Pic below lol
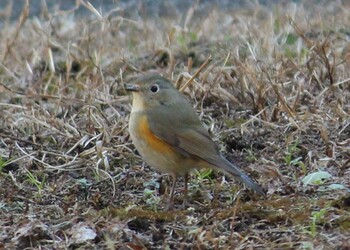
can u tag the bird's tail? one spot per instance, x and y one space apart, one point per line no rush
238 174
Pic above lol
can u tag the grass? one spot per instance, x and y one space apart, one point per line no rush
271 84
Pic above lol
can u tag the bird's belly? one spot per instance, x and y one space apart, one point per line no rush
156 152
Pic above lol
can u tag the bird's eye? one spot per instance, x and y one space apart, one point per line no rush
154 88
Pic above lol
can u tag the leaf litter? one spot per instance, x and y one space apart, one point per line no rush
271 85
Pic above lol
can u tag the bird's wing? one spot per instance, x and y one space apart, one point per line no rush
195 142
185 133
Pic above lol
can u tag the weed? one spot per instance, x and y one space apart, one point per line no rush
3 163
34 180
316 219
250 157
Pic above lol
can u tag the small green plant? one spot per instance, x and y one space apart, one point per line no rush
152 199
2 164
317 218
34 180
250 157
291 151
185 38
150 193
290 154
291 39
205 174
291 160
201 176
302 166
97 174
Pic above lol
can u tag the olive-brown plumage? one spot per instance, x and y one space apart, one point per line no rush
169 136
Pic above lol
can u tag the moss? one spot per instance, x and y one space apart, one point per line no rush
125 213
344 223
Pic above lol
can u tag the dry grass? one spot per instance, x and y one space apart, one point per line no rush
274 91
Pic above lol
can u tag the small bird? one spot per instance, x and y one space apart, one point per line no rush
169 136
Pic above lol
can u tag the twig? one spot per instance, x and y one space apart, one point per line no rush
205 64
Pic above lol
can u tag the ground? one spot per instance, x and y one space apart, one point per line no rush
271 83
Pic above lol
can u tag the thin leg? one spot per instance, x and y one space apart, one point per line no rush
171 200
185 191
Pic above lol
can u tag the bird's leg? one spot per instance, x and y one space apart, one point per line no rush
185 191
171 199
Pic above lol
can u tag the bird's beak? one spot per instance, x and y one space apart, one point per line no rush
131 87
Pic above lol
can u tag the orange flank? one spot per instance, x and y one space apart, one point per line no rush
153 141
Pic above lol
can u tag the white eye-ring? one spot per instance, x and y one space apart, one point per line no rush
154 88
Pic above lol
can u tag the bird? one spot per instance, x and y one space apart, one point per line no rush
170 137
